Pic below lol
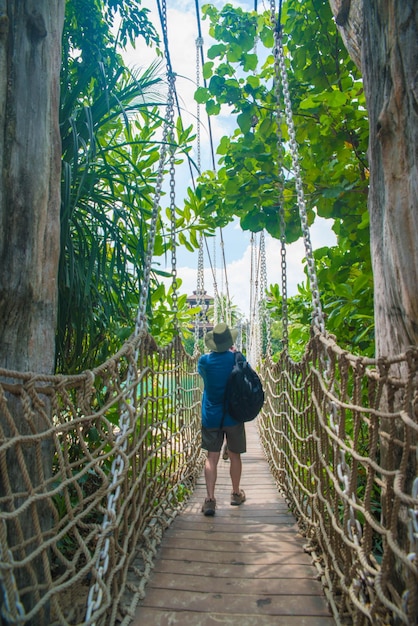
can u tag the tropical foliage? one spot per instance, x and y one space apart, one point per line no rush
256 176
111 123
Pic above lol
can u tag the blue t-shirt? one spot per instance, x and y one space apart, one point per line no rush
215 369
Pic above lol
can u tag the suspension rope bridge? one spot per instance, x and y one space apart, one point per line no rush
95 467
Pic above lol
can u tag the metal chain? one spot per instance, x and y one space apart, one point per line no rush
280 187
254 302
354 528
199 44
199 317
215 286
95 596
318 318
199 297
174 282
263 269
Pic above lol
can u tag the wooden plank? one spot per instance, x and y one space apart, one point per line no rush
246 565
276 586
260 604
245 556
159 617
235 570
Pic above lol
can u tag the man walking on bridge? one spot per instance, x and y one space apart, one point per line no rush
215 369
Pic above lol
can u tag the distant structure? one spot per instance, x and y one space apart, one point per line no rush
202 299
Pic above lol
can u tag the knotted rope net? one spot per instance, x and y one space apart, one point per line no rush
59 437
341 436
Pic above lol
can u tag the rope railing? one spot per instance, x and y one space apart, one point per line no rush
340 435
341 439
51 534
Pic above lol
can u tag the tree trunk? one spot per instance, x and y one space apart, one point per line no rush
385 34
348 16
30 162
390 63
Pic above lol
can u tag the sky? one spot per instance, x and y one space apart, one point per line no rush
182 32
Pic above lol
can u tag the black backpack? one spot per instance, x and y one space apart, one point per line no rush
244 394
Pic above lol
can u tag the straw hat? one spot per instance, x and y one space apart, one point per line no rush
221 338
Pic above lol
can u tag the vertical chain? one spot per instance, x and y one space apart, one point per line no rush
266 316
174 282
199 44
318 318
353 527
215 286
127 416
279 147
200 317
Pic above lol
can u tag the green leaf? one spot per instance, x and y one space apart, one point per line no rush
217 50
212 107
244 121
207 70
201 95
250 62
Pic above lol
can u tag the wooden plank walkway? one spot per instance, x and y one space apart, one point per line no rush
246 565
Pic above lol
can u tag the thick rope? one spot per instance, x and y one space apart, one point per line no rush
358 513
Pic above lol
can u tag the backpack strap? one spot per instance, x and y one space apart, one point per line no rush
239 358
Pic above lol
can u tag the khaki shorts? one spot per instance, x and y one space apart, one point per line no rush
212 439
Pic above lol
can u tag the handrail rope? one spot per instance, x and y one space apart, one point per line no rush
96 592
317 315
354 527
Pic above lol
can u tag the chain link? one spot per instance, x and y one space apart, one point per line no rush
199 44
280 186
318 318
354 528
128 412
200 303
263 269
173 222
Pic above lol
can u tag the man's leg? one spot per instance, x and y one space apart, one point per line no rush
235 470
211 472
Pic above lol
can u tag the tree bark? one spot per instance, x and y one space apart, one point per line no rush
382 38
30 165
390 71
385 36
348 15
